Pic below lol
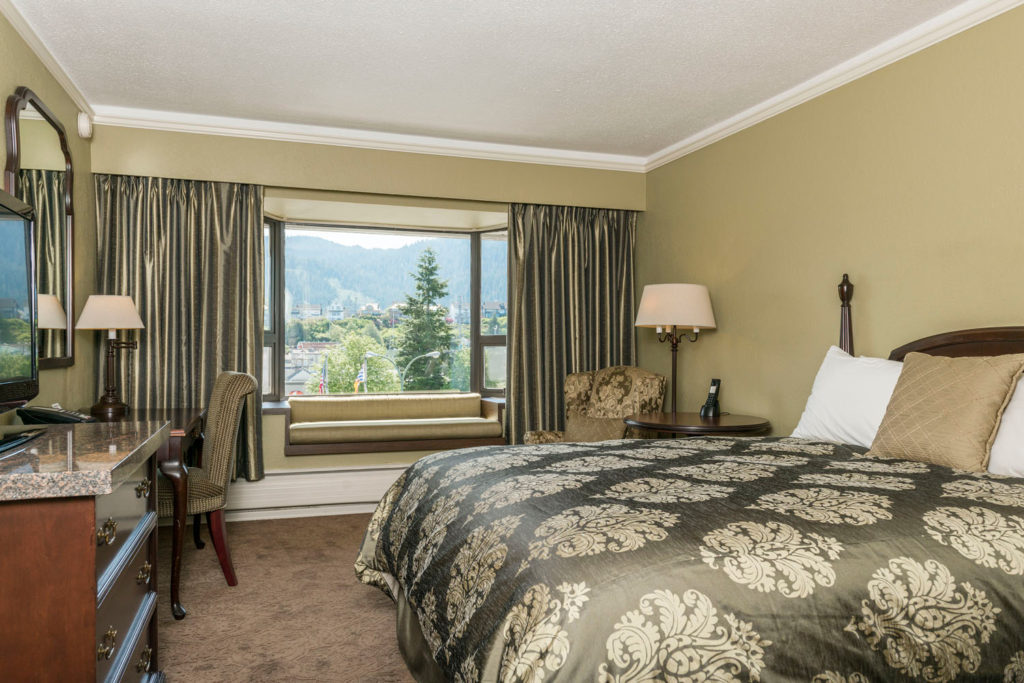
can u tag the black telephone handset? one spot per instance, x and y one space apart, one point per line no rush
710 407
34 415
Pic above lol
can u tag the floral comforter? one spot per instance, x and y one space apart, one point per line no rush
712 559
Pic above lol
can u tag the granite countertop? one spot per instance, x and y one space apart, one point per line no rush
88 459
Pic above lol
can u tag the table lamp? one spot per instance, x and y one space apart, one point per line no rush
51 313
111 313
672 307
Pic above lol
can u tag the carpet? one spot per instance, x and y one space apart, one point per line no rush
297 613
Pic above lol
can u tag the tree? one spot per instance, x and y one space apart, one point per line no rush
424 328
460 369
344 362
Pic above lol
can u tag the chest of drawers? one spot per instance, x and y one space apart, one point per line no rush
78 584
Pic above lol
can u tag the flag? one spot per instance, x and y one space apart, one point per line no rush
323 378
361 377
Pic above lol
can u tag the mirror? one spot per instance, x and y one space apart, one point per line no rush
38 172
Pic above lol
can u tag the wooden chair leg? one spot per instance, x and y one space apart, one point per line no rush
219 534
197 522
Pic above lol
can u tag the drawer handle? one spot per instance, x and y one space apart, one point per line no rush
107 534
142 489
109 644
144 573
145 659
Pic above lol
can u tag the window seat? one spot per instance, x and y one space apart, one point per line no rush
390 422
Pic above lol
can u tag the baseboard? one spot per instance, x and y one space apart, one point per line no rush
311 493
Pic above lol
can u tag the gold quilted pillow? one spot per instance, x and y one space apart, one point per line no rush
946 411
586 428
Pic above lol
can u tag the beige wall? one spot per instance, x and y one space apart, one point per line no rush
75 386
40 145
910 179
135 151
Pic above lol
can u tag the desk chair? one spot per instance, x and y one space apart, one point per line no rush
208 485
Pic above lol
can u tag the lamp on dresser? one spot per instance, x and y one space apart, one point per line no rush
671 309
51 313
111 313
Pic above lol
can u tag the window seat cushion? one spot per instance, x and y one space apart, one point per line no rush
383 407
345 431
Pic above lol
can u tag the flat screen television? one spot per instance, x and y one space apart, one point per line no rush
19 372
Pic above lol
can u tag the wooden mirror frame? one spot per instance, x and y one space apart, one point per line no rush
16 103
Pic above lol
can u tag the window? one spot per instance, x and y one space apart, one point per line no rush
356 309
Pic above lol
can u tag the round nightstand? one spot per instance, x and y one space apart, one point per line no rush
693 424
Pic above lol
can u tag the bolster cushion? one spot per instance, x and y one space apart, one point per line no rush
348 431
383 407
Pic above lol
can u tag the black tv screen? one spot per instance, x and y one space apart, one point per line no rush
19 374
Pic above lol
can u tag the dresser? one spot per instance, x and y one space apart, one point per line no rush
78 543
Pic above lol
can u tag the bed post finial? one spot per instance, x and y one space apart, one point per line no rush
846 319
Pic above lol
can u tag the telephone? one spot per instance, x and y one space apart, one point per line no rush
710 407
35 415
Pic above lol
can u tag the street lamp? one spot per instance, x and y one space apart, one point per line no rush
402 373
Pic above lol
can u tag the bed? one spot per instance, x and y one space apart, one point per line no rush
710 559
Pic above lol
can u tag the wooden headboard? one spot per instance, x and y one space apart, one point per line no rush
982 341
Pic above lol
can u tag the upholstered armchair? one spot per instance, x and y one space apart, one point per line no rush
596 402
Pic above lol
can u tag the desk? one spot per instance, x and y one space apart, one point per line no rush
184 422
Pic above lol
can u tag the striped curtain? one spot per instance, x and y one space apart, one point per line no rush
571 295
44 192
190 254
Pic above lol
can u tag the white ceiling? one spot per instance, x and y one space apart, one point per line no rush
607 83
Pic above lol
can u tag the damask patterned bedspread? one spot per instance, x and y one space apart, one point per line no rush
711 559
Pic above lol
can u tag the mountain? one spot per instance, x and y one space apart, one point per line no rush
322 272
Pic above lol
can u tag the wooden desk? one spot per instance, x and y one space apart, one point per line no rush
184 423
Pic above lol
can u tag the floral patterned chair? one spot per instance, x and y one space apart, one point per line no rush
596 402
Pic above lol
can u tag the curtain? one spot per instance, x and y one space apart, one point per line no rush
44 192
190 254
571 295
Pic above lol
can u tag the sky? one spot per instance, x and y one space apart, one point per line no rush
369 240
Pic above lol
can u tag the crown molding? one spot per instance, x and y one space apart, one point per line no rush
28 34
350 137
937 29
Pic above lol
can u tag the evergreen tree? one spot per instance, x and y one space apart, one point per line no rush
424 328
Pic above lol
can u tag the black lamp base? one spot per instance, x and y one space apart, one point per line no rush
109 409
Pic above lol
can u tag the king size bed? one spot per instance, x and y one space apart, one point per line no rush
711 559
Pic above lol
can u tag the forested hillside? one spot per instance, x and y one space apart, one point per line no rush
322 272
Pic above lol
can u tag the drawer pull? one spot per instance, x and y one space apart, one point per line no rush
107 534
145 659
144 573
109 644
142 489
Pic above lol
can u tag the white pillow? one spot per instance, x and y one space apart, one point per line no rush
1008 449
848 399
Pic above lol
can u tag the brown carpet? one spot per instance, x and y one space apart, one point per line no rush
297 613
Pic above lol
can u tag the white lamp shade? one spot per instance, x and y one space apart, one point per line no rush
51 313
676 305
109 312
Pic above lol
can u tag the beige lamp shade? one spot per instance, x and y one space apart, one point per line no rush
109 312
676 305
51 313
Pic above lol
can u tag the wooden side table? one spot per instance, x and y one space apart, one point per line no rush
692 424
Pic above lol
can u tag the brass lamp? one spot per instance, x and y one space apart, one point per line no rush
672 308
111 313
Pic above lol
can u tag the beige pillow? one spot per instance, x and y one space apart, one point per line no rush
946 411
580 427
